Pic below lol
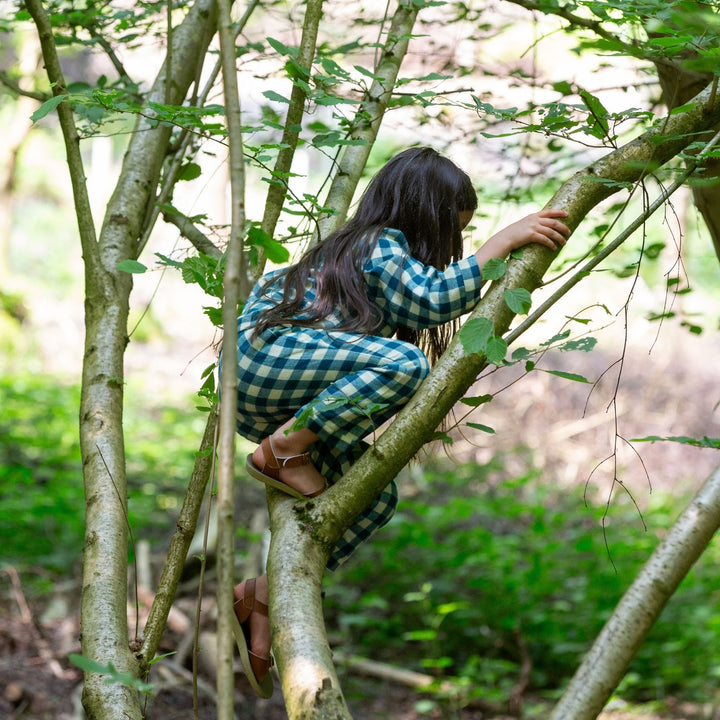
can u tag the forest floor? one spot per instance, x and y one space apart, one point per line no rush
38 682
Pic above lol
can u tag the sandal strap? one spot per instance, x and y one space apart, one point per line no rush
259 664
248 603
273 463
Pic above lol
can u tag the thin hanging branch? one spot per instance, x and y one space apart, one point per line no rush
235 286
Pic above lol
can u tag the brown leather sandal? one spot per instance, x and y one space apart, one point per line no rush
270 472
257 668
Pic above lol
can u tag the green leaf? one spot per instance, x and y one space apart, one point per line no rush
276 97
276 252
474 334
481 427
518 300
189 171
47 107
131 266
583 344
569 376
476 401
521 353
214 314
88 665
281 48
556 338
168 261
496 350
493 269
440 435
563 87
683 108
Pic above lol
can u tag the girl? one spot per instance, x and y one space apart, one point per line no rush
334 345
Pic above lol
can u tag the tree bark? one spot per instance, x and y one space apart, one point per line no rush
234 285
369 117
678 87
107 291
625 631
291 131
304 534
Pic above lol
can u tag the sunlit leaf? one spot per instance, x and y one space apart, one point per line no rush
131 266
475 333
482 428
47 107
496 350
518 300
569 376
493 269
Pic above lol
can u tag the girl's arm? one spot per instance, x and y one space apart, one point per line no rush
542 227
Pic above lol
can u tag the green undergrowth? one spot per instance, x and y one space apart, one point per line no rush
41 482
471 581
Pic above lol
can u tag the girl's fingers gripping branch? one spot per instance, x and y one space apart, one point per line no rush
552 233
542 227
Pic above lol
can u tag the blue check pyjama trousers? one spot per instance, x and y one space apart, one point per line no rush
342 386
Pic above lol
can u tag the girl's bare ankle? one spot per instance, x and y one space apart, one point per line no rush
286 446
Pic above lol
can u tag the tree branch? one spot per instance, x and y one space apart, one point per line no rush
13 85
235 285
627 628
112 56
83 210
291 133
189 230
179 544
368 118
170 176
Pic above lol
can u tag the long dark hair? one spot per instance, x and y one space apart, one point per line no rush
418 192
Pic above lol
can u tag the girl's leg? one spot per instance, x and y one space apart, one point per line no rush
345 385
259 624
380 376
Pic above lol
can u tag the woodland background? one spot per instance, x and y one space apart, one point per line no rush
513 544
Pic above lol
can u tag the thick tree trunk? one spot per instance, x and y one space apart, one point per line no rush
680 86
304 535
624 633
107 291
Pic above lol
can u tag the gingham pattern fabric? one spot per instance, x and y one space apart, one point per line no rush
344 385
333 464
409 293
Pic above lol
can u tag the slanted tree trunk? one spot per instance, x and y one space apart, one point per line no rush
304 534
624 633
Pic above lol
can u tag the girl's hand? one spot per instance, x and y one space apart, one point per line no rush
541 227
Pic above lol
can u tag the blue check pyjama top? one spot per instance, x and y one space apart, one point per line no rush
344 385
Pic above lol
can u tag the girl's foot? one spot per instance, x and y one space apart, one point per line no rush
252 633
284 465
